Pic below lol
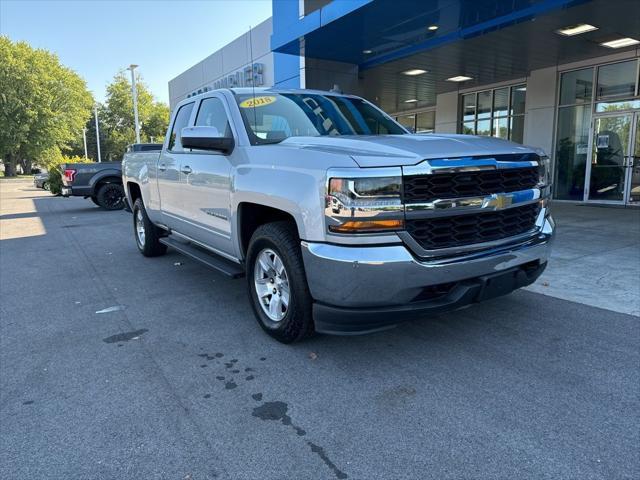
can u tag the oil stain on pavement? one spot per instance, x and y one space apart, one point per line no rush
125 336
276 411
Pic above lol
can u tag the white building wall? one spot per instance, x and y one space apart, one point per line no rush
540 107
231 58
447 112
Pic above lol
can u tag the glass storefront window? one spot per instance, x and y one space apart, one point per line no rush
571 151
576 87
617 106
426 122
501 102
501 128
617 79
484 105
408 121
499 113
484 128
469 107
516 131
518 99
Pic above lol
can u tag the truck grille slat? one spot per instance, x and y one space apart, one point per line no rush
426 188
460 230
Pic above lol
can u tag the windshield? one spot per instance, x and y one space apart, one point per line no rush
272 117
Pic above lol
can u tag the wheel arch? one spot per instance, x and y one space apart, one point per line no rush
252 215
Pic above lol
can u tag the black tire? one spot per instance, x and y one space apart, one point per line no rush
151 247
94 199
46 186
110 196
297 322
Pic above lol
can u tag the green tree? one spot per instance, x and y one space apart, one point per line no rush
117 118
43 105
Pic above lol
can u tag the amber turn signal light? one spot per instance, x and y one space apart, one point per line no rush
358 226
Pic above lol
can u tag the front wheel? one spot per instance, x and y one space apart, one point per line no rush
110 196
46 186
277 283
146 233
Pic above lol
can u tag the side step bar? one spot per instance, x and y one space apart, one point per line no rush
211 260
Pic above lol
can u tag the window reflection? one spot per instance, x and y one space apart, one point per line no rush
571 151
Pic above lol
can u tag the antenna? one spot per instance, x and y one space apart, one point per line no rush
253 83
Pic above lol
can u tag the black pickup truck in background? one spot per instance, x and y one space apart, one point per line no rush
101 182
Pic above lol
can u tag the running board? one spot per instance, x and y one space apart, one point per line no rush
211 260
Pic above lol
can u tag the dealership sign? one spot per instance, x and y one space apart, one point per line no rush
249 76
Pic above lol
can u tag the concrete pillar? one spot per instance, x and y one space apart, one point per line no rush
541 109
447 112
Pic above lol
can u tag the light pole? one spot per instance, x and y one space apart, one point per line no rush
134 93
84 137
95 111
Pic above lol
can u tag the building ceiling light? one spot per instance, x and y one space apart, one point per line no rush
414 71
367 52
432 28
620 42
413 100
576 29
459 78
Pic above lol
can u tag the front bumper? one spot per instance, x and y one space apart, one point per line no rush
362 289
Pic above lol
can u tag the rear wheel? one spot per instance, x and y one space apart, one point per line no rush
94 199
277 283
110 196
146 233
46 186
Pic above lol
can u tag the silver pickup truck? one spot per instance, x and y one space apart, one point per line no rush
341 220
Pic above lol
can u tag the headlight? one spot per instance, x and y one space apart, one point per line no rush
364 205
544 171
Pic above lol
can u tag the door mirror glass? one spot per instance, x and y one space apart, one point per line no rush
206 138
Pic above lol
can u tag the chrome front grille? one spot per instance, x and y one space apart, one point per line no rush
460 230
425 188
465 204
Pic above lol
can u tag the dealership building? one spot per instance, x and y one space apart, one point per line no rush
558 74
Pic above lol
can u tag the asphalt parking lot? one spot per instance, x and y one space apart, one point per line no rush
175 380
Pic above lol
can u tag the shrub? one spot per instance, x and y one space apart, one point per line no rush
55 171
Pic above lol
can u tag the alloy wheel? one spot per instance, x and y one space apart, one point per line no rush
272 285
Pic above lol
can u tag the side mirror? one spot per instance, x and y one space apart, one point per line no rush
206 138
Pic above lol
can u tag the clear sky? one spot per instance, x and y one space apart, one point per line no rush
96 38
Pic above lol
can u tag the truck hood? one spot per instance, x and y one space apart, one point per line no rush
404 150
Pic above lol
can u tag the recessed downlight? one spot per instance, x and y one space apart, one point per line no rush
367 52
620 42
432 28
459 78
414 72
413 100
576 29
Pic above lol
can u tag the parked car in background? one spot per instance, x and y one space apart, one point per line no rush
101 182
342 221
41 180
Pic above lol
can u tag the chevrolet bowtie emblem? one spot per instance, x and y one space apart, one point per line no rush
502 201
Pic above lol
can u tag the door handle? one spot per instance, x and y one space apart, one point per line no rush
186 170
162 167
